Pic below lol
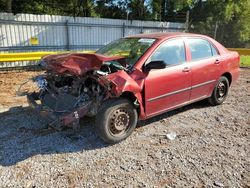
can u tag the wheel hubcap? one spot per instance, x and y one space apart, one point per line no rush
119 121
221 90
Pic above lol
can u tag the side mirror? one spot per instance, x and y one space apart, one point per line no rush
155 65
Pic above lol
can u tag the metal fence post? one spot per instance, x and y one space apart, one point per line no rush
123 29
67 35
141 29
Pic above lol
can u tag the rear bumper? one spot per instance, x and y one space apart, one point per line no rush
235 75
57 120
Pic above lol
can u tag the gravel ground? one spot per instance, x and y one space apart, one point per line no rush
211 148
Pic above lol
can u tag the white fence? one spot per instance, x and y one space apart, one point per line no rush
28 32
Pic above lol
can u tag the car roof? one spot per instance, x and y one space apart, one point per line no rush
164 35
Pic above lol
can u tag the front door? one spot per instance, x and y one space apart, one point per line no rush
168 88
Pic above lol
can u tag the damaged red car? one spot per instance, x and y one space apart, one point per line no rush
133 78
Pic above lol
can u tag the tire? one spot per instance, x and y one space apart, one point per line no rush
220 92
115 120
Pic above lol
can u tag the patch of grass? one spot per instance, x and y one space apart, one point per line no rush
245 60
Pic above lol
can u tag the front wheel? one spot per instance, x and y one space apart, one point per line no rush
116 120
220 92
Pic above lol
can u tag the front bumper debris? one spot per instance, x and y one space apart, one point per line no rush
55 119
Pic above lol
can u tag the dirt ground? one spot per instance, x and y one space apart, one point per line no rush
211 149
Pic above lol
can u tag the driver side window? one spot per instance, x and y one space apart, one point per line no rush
172 52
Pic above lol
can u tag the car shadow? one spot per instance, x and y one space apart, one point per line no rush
23 135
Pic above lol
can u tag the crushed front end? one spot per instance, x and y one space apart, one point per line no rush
64 94
63 98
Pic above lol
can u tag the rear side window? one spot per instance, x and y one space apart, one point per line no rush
201 49
171 52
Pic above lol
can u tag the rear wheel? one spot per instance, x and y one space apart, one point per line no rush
116 120
220 92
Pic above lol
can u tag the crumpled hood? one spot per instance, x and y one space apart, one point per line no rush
77 63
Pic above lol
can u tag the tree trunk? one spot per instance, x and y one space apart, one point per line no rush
8 5
163 10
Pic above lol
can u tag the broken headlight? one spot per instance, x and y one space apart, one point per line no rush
42 63
41 82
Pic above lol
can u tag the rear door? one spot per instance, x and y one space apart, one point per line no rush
168 88
205 67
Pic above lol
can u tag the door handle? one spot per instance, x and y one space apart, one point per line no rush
186 69
217 61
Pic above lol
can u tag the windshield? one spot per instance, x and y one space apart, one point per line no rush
131 48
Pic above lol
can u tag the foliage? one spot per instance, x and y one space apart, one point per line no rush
57 7
232 18
245 60
138 10
111 9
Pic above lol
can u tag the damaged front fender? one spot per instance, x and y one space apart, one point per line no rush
132 83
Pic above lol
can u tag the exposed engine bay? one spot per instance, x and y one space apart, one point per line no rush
62 93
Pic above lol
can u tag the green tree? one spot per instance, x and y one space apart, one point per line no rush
57 7
6 5
111 9
232 18
139 10
169 10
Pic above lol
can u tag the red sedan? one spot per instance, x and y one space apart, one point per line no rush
133 78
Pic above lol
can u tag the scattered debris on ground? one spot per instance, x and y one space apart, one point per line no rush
171 135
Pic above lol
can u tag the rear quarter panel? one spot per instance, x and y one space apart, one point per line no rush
231 64
230 60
